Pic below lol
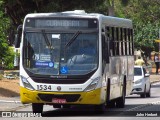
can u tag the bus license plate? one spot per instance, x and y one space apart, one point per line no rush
56 100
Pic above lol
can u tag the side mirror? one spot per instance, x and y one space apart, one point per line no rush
17 41
146 75
18 36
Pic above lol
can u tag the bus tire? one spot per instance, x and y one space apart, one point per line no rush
109 103
37 107
108 90
120 102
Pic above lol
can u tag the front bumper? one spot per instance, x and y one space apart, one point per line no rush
91 97
138 89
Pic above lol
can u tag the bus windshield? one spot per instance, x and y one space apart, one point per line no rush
60 53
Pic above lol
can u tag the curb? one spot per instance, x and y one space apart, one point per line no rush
10 101
155 82
19 107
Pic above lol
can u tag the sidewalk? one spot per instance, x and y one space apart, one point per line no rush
11 104
154 71
153 76
10 99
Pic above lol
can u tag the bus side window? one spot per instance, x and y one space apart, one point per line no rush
106 44
105 49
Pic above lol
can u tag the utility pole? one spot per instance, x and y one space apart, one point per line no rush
159 39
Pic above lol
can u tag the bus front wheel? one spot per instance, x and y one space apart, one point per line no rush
37 107
120 102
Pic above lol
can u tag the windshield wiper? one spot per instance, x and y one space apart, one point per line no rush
73 38
46 39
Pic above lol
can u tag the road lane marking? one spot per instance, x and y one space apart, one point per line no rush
9 101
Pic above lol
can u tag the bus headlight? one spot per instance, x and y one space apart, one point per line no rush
93 84
26 83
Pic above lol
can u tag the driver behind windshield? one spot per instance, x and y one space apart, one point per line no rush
85 54
87 48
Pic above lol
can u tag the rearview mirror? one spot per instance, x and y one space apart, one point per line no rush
18 36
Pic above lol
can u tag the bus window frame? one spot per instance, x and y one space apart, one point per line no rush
120 40
18 36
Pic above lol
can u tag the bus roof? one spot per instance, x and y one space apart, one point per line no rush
107 20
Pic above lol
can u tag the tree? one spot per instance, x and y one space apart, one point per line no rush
145 15
9 58
110 5
17 9
145 36
4 48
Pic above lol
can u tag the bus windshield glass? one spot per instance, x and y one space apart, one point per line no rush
53 53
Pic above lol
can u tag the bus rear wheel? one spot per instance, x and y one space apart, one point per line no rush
37 107
120 102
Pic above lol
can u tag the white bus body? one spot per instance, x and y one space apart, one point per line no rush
54 72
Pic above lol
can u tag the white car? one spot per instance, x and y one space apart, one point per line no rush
141 84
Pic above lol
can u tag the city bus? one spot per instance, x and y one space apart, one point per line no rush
58 68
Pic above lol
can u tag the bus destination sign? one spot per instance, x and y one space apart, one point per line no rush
61 23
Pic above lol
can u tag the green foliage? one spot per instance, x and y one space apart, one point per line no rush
68 5
145 35
5 53
9 59
145 15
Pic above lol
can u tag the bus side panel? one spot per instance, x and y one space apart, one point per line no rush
130 76
121 68
115 77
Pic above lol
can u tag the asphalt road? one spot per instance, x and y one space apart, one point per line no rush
135 106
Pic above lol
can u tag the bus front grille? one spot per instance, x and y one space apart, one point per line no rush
68 97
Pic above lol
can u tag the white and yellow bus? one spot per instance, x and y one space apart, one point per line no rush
75 58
